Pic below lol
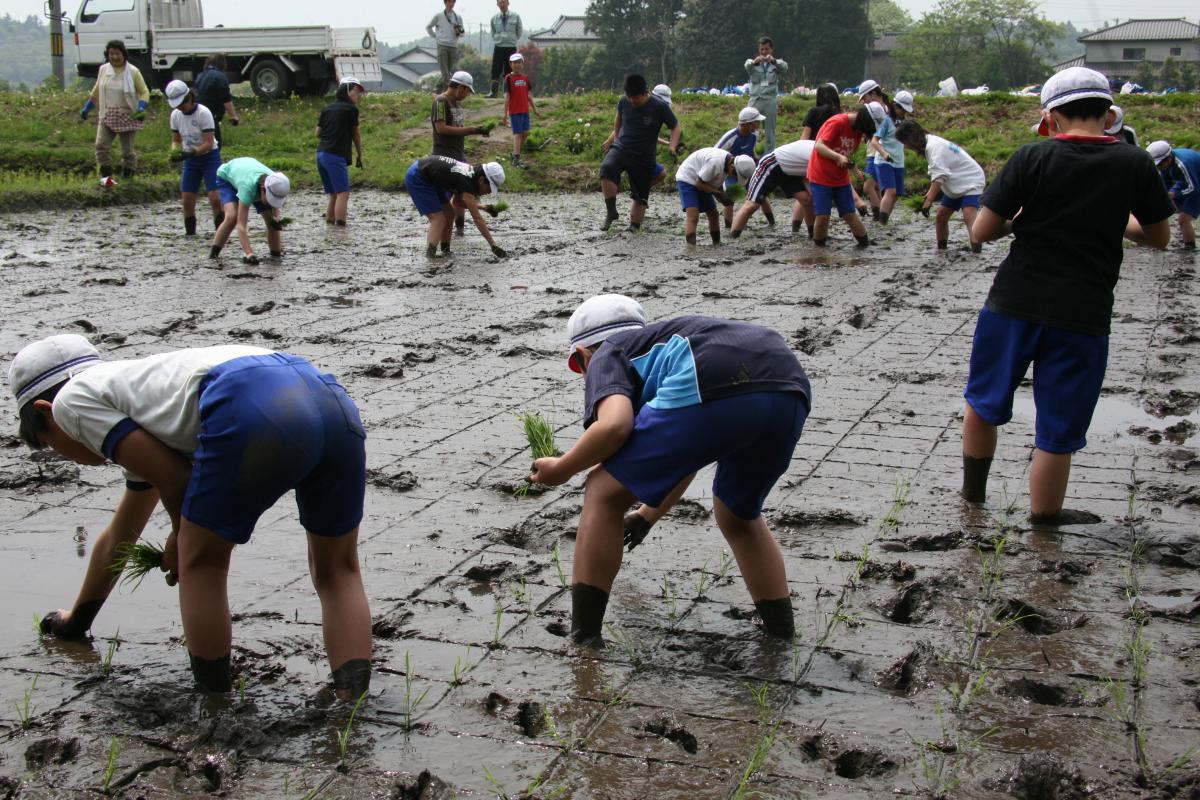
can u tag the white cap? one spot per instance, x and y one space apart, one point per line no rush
277 186
867 86
516 57
904 99
1159 151
48 362
463 78
175 92
662 92
744 167
1074 83
495 175
1118 121
599 317
350 80
878 112
750 114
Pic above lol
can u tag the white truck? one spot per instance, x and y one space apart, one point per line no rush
166 39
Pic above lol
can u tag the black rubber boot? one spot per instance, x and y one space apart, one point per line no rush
728 224
776 616
445 248
105 172
189 226
715 233
341 223
810 231
735 233
218 219
884 216
795 226
431 251
875 213
588 605
942 244
770 217
212 676
976 247
635 226
863 241
820 242
276 254
1190 245
610 205
214 252
975 477
690 238
353 678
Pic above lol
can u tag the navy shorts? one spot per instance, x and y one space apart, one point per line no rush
334 171
1068 371
956 203
889 177
428 198
270 424
750 437
691 197
870 170
1188 204
616 161
199 168
519 122
824 198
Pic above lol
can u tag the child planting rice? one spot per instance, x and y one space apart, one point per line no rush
541 441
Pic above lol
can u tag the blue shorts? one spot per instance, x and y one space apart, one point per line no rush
691 197
334 171
956 203
750 436
428 199
200 167
889 177
824 198
870 170
1068 371
228 193
270 424
1189 204
519 122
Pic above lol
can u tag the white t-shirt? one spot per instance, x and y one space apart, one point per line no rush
160 393
959 173
793 157
192 127
706 165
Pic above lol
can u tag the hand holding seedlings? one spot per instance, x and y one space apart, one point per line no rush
135 560
541 443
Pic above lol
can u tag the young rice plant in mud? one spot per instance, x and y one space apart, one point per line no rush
564 743
113 645
624 639
499 622
942 762
25 707
671 598
110 766
540 435
764 744
461 667
344 734
533 791
136 560
410 702
556 560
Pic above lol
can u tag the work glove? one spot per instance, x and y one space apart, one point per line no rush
499 252
250 259
140 114
87 109
636 529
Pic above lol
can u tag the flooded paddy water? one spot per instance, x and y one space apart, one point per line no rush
1060 664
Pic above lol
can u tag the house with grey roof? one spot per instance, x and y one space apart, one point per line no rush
405 72
565 32
1119 50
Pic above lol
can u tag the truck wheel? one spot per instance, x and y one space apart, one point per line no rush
270 79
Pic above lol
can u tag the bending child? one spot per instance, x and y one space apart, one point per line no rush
953 174
829 170
217 435
243 184
742 141
701 183
441 188
1180 170
783 168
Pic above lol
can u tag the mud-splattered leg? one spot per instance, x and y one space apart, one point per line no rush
345 614
204 603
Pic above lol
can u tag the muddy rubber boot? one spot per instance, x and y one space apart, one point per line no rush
863 241
106 171
588 605
1189 245
460 227
1066 516
795 226
634 227
820 242
212 675
776 616
884 216
636 528
715 235
341 223
875 213
431 251
610 204
976 247
189 226
218 219
975 477
735 233
770 218
214 252
352 679
728 224
276 254
690 238
942 244
810 231
445 248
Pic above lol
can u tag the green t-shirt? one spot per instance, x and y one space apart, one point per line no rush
244 173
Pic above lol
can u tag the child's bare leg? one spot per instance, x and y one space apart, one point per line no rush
204 604
1048 477
189 204
1187 230
341 204
941 226
761 565
871 188
214 200
331 208
888 202
820 228
692 216
598 548
345 615
742 217
637 213
714 226
225 228
969 214
857 226
979 447
519 142
436 221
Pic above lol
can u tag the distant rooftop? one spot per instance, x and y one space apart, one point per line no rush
565 28
1144 30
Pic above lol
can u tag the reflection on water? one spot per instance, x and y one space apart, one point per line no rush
1115 416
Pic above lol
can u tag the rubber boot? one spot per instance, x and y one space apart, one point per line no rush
690 238
352 679
610 204
218 219
942 244
795 226
770 217
776 616
588 605
976 247
975 477
863 241
820 242
715 233
189 226
875 213
212 675
884 216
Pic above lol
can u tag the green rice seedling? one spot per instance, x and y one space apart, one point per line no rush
110 767
523 594
242 689
540 435
499 621
37 624
758 757
891 520
500 206
633 650
25 707
702 581
113 645
724 566
344 734
736 193
410 702
557 562
671 598
135 560
461 667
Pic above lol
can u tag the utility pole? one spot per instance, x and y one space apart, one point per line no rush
56 43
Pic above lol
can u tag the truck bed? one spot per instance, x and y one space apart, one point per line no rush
316 39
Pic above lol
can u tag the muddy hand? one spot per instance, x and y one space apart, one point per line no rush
636 528
925 211
170 559
60 625
546 471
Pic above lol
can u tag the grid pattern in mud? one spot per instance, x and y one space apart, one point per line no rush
941 647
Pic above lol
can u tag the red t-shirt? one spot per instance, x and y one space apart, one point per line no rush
839 135
517 87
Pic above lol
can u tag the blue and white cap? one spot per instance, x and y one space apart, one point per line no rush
1069 85
599 317
47 362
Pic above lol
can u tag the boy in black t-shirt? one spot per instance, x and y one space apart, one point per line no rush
1067 201
662 401
440 187
337 129
631 147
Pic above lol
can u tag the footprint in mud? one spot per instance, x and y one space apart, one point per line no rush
541 531
666 725
389 369
38 475
480 338
529 715
392 625
1043 776
1067 571
527 326
1044 694
810 340
898 571
912 604
910 674
399 481
425 786
261 308
526 350
52 750
861 763
1175 495
1037 621
815 518
488 572
690 509
925 542
862 317
1172 403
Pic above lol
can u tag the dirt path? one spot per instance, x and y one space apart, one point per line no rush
1064 664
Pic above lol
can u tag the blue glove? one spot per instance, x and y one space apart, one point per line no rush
87 108
141 105
141 112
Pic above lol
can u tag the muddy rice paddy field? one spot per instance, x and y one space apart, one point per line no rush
943 649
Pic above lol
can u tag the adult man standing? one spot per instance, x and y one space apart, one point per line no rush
448 117
764 71
212 92
506 32
447 28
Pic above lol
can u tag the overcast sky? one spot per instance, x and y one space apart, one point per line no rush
405 20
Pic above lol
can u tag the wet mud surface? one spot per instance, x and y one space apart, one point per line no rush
1062 664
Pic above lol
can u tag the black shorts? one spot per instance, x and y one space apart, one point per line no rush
640 174
769 176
